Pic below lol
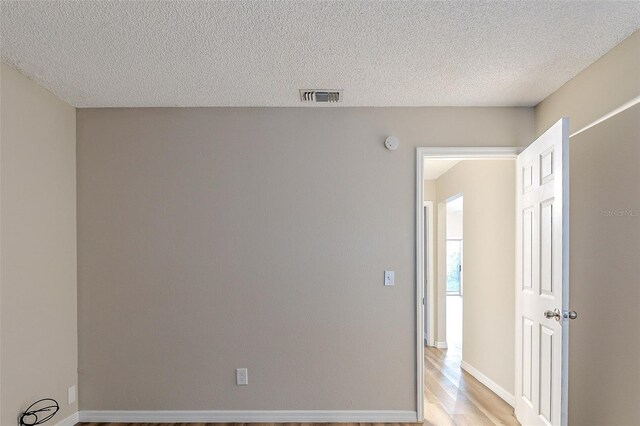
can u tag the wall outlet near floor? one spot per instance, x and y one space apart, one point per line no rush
242 376
71 395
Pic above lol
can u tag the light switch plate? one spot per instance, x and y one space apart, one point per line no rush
242 376
389 278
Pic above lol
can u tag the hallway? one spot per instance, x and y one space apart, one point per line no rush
454 397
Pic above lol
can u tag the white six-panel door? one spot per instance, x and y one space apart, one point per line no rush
542 278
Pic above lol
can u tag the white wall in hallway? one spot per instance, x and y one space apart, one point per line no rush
488 224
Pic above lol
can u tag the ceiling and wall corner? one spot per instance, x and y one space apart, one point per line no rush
434 167
605 85
604 175
260 53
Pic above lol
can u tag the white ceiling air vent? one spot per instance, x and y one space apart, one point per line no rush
320 96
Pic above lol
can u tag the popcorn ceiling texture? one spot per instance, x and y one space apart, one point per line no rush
259 53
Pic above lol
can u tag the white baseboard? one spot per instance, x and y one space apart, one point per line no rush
250 416
440 345
497 389
428 342
70 421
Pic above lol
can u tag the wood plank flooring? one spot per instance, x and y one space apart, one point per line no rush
452 397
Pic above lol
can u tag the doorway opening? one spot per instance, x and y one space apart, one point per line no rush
451 184
521 204
454 274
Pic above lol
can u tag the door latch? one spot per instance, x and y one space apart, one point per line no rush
557 315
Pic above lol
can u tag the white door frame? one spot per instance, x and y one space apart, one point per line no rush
430 332
441 153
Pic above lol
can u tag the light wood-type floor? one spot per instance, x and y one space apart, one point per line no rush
452 397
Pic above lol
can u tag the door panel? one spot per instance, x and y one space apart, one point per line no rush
542 275
527 359
546 248
546 372
527 249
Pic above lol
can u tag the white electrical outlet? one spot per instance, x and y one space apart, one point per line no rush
242 376
71 395
389 278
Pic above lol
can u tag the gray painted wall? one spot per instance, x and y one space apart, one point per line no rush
211 239
604 367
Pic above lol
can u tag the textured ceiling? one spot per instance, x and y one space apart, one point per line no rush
259 53
436 167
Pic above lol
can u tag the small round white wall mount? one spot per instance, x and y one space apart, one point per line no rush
392 143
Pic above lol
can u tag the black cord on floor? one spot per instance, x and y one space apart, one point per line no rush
31 416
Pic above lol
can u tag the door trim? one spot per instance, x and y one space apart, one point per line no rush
442 153
428 296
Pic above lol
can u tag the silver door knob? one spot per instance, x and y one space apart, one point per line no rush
557 315
553 314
